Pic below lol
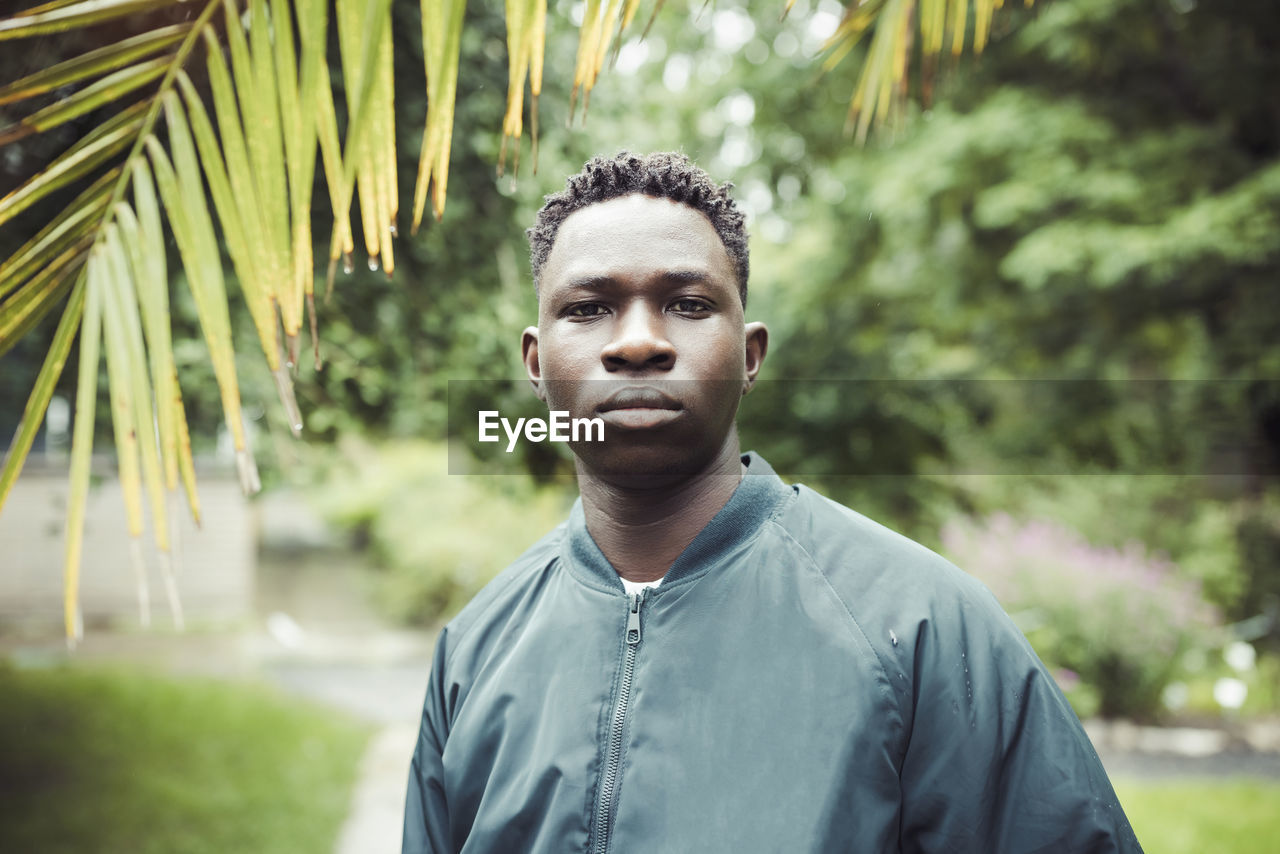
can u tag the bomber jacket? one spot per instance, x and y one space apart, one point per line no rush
803 680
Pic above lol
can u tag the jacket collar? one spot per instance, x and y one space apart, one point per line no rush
751 505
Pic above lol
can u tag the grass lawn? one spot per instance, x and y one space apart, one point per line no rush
1201 816
115 761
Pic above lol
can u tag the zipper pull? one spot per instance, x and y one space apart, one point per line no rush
633 618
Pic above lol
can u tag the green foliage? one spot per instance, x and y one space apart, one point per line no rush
439 536
1195 816
1118 618
114 761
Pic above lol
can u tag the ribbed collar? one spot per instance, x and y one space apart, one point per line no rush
751 504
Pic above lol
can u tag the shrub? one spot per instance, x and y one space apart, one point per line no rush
440 536
1119 618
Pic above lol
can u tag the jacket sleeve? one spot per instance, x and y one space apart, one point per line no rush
996 760
426 815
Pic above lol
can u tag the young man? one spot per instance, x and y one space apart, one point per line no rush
703 658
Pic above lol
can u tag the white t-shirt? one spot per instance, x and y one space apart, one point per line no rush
637 586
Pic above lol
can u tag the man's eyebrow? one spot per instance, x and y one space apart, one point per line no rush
602 283
686 276
590 283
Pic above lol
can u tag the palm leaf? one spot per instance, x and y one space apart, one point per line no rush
92 64
74 222
441 43
90 153
257 167
41 394
57 18
88 99
25 308
882 82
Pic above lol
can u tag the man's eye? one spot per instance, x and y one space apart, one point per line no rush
689 305
585 309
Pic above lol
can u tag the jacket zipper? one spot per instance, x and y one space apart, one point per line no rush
613 760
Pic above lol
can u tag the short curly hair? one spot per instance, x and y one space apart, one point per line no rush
664 174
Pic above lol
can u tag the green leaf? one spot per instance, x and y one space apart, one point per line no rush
153 299
299 149
258 109
103 143
266 152
74 222
50 6
234 227
153 284
363 93
313 20
123 420
342 242
257 285
81 451
524 43
75 16
441 41
88 99
41 394
32 302
359 96
92 63
140 385
183 196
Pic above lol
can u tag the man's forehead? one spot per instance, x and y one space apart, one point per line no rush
636 234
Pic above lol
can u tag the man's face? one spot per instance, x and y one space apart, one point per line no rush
640 323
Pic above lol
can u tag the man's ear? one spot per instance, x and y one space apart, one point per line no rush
529 355
757 345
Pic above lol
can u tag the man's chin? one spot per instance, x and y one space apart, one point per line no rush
643 466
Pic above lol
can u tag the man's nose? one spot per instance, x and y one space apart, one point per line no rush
639 342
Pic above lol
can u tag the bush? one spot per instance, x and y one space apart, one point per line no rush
1118 618
440 537
1190 519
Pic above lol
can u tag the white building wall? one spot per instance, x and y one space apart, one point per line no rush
213 565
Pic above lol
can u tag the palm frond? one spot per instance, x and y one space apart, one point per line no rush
108 247
93 63
441 43
882 82
60 17
526 40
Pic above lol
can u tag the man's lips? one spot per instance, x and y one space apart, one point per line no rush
639 409
639 398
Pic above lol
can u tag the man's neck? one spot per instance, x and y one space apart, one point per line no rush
642 531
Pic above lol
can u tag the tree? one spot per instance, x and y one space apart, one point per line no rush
267 72
1064 267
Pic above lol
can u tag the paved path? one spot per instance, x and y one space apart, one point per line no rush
377 804
387 693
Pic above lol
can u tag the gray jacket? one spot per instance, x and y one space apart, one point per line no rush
803 680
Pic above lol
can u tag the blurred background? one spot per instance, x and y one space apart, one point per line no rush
1031 323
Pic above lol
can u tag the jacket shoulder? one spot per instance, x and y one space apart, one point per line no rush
853 549
890 584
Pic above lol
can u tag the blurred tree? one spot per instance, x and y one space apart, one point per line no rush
1095 211
103 257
